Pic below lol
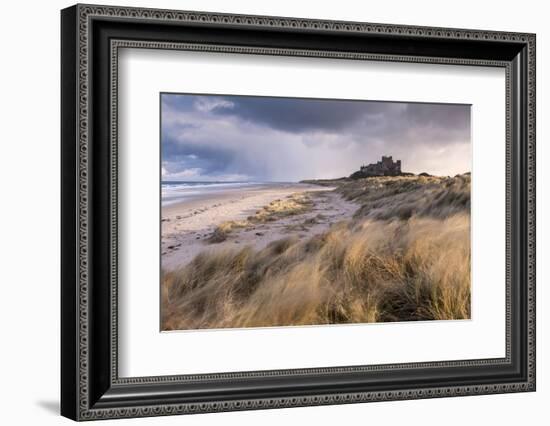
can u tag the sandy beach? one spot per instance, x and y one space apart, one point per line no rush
187 225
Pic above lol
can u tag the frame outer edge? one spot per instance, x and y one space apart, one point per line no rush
69 193
83 229
531 200
83 12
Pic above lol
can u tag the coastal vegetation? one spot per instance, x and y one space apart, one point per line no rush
294 204
403 255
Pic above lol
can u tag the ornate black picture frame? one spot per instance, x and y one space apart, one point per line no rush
91 387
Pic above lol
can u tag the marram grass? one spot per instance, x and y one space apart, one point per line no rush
404 256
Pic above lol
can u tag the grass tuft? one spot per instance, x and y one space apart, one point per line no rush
292 205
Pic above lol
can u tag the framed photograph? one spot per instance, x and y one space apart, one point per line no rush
263 212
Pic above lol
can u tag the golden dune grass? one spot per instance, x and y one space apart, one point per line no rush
407 261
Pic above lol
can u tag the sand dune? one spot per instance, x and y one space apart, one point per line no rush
385 249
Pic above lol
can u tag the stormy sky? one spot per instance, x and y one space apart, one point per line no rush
245 138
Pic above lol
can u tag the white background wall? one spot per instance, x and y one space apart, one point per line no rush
29 212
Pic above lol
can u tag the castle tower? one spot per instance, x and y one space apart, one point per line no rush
387 161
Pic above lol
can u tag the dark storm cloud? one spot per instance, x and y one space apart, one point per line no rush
265 138
295 115
210 159
448 116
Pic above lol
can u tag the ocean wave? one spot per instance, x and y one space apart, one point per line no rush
173 192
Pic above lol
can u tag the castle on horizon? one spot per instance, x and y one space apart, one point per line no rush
386 167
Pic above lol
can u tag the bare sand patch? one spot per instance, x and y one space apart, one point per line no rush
189 227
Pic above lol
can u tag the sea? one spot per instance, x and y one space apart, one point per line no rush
174 192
